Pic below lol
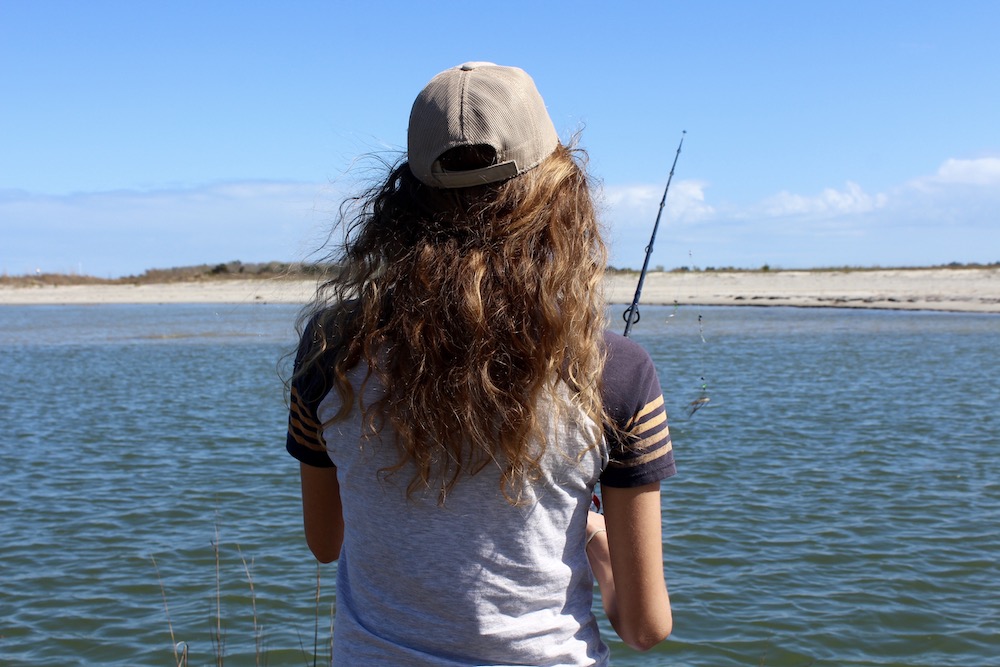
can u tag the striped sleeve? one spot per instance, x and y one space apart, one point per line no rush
304 440
641 451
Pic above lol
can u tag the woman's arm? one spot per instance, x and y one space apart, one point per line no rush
600 562
322 512
627 562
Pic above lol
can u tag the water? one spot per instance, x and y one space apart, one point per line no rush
837 502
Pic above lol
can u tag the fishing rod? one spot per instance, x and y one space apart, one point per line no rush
631 314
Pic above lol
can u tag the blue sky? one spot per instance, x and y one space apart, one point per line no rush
136 135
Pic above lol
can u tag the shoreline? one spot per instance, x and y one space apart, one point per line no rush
943 289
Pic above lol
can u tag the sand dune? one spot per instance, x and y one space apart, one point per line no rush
959 289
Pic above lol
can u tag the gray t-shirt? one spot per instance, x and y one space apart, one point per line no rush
477 580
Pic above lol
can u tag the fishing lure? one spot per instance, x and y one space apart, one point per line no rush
698 403
703 397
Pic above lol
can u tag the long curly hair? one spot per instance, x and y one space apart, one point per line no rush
480 310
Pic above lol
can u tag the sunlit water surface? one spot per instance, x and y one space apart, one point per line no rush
837 503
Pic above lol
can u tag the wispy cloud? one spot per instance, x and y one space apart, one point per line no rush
950 215
830 202
125 232
637 205
981 171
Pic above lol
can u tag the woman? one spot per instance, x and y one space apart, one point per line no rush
456 399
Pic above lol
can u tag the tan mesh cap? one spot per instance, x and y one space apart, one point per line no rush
479 104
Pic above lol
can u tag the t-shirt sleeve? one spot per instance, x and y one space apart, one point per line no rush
305 433
641 451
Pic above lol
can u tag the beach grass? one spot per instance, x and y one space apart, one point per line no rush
183 651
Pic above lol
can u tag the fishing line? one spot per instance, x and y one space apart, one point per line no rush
631 314
703 398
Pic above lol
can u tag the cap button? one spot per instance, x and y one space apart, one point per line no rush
469 66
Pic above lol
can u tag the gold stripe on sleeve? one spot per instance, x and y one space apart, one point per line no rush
650 407
650 456
307 442
300 412
304 429
656 421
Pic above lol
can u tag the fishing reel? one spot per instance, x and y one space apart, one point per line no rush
631 315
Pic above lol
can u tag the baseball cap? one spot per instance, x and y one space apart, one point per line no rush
493 109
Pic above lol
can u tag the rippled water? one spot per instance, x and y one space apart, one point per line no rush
837 502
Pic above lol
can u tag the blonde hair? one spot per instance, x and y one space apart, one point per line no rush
472 306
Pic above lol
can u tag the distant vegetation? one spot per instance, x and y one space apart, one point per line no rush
237 270
764 268
234 270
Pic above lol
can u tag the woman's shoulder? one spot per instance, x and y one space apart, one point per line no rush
630 380
327 324
624 355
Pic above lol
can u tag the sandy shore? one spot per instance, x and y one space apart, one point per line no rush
967 290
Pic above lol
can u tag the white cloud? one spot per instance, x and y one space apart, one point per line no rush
127 232
950 215
637 205
830 202
961 197
981 171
